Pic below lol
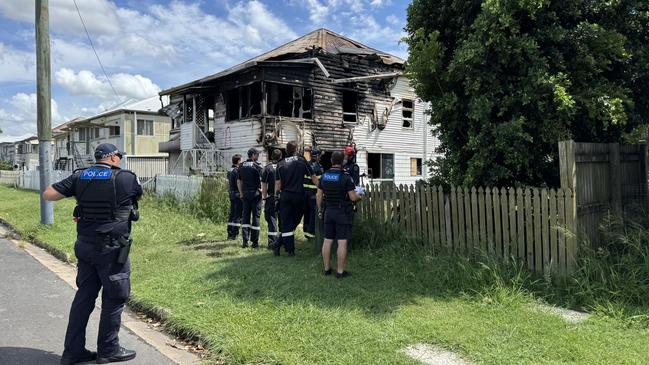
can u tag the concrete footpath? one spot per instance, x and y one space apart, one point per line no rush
34 306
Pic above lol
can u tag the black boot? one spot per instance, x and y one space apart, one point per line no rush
121 354
85 357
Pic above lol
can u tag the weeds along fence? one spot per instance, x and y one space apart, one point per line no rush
535 226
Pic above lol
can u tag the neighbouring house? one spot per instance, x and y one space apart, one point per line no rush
135 127
8 152
322 90
26 154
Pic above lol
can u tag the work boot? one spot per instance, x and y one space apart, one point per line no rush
86 356
121 354
244 245
255 245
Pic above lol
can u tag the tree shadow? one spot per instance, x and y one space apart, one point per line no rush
212 248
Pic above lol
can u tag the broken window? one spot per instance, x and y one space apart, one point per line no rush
244 102
350 100
406 112
380 165
289 101
232 108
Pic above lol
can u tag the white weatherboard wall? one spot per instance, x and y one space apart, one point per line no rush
404 143
238 137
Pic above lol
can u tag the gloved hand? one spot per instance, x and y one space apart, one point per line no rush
360 190
320 215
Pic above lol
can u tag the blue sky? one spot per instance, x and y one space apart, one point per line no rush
148 45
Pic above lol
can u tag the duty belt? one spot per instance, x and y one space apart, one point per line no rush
96 239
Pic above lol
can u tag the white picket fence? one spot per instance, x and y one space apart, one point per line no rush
29 180
182 187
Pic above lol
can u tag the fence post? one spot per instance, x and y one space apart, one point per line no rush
567 165
643 173
615 178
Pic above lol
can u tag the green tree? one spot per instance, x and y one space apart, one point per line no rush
507 79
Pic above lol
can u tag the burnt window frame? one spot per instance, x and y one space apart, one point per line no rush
348 114
410 119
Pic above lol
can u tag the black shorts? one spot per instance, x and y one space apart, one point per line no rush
338 224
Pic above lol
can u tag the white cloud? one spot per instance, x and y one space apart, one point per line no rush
16 65
19 121
100 16
86 83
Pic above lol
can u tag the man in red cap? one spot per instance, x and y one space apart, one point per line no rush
350 166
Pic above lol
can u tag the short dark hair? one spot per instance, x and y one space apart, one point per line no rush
291 147
276 155
236 158
337 158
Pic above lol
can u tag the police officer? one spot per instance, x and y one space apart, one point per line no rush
350 166
249 184
268 195
106 205
289 182
234 221
336 193
310 190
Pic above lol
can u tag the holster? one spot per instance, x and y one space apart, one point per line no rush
124 248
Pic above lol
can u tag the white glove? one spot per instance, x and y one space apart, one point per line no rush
360 190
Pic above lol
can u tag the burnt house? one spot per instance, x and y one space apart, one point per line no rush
322 90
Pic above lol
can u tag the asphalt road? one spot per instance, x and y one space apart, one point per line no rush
34 306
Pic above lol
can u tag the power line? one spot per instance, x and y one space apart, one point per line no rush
95 51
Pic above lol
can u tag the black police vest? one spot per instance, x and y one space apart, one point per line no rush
97 196
317 169
232 179
332 184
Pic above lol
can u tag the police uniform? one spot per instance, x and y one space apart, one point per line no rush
234 221
270 213
336 185
106 201
352 169
250 176
291 171
311 208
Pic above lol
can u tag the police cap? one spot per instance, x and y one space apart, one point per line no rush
106 150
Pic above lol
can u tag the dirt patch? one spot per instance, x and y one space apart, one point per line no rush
434 355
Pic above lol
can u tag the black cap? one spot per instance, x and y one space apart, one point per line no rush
315 151
252 151
106 150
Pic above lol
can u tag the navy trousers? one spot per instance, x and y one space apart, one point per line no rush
251 207
310 210
270 215
97 268
234 221
290 213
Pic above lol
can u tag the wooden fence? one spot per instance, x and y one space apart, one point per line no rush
535 226
607 178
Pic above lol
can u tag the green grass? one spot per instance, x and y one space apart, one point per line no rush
251 307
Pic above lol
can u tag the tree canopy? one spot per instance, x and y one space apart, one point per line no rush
508 79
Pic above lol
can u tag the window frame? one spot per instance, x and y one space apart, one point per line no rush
381 166
112 127
418 167
144 128
411 109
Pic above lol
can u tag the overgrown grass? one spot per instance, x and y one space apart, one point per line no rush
251 307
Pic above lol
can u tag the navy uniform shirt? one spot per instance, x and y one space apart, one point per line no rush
346 185
353 170
291 172
128 190
250 175
268 177
232 178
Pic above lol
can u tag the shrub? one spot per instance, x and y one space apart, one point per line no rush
6 165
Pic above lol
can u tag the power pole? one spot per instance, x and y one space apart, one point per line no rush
43 100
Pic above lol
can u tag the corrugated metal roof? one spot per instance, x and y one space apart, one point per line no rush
323 39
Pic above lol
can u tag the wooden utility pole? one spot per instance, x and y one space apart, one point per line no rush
43 100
